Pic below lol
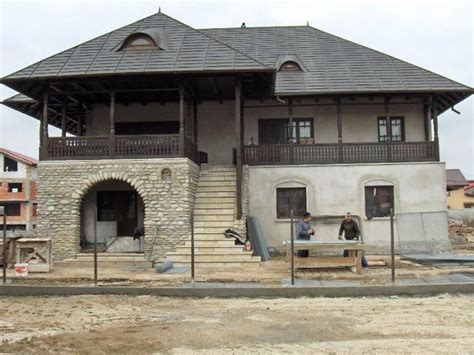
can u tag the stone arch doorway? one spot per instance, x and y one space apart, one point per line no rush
116 211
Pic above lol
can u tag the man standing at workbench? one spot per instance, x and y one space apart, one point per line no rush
351 231
305 231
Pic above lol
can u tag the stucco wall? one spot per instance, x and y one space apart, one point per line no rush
216 121
63 185
334 189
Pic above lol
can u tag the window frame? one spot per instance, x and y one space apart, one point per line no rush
392 118
15 185
285 67
8 207
296 121
8 161
128 43
377 209
283 216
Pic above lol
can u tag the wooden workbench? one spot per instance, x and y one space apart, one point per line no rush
354 259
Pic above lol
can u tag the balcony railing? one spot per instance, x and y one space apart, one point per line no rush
294 154
118 147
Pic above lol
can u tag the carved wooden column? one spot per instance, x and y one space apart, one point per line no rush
388 126
238 145
112 125
181 122
44 126
290 129
434 116
79 119
195 123
63 119
339 129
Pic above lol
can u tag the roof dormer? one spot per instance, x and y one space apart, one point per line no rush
289 63
149 38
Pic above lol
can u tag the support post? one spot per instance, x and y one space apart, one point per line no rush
79 119
292 257
95 245
426 115
392 244
112 125
195 123
339 130
181 121
290 129
388 123
434 115
192 248
238 145
4 260
44 150
63 119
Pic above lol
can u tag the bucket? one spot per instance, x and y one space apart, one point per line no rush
21 269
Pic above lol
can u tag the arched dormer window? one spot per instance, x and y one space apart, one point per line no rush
290 66
149 38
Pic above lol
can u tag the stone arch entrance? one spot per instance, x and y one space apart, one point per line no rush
115 211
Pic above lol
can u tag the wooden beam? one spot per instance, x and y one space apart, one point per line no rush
44 141
79 119
339 129
238 145
434 116
63 119
112 125
290 120
217 90
388 123
181 121
195 123
426 117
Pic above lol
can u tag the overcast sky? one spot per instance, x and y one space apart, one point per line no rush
436 35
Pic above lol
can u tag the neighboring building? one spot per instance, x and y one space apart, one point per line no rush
468 201
285 118
455 183
18 191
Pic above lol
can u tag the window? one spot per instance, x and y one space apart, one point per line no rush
290 66
15 187
468 204
276 131
105 206
9 164
35 209
291 198
13 209
139 41
378 201
398 129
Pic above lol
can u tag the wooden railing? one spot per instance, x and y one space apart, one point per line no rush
294 154
118 147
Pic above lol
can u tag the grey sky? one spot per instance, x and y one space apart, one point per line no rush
436 35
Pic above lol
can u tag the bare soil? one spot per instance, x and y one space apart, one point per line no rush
146 324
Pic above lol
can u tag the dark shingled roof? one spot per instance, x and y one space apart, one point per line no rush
188 50
455 178
332 65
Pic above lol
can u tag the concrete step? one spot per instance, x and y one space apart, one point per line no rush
106 259
219 266
198 243
216 188
206 200
181 257
211 250
209 230
205 224
206 183
214 210
208 178
209 236
214 194
213 217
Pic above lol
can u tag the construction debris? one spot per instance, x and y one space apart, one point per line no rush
461 235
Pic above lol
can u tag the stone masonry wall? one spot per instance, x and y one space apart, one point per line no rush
168 202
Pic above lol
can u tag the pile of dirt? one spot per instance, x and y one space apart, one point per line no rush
461 235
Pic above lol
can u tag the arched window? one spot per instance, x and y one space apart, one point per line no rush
290 66
139 41
166 174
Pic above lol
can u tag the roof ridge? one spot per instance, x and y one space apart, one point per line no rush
392 57
24 158
218 41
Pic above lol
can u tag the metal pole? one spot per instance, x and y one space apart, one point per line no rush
292 249
192 247
392 242
4 262
95 246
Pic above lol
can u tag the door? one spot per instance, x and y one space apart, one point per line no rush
126 212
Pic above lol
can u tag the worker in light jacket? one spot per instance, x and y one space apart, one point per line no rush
351 231
305 231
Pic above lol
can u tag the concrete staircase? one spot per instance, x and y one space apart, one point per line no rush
214 211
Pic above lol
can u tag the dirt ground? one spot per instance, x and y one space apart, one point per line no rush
145 324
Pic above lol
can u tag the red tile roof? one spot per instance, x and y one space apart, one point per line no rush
23 158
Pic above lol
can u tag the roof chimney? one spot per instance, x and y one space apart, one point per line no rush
243 25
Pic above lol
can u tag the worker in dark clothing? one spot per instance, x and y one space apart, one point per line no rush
305 231
351 231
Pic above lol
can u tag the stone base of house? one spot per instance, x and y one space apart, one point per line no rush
167 198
